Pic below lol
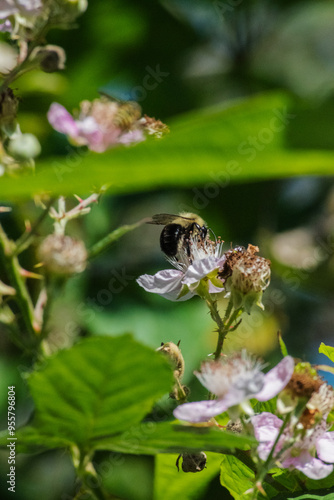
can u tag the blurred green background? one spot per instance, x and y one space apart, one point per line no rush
210 54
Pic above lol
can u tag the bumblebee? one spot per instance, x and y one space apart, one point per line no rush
128 112
178 229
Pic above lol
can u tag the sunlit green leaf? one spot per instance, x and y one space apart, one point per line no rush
247 140
100 387
150 438
238 479
171 483
327 350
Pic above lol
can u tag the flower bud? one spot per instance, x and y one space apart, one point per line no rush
63 255
24 147
192 462
8 108
51 58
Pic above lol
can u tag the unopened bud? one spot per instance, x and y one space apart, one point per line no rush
192 462
8 108
51 58
63 255
24 147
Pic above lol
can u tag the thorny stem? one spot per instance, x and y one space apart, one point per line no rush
22 296
224 325
24 241
91 482
103 244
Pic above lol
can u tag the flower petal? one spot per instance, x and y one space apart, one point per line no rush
200 268
266 428
133 136
62 121
276 379
325 447
200 411
166 283
308 465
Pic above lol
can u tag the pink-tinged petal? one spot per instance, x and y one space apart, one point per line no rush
62 121
276 379
7 9
166 283
233 397
325 447
200 411
90 133
266 428
199 269
30 7
6 27
308 465
132 137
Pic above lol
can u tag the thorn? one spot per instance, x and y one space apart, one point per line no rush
29 274
27 225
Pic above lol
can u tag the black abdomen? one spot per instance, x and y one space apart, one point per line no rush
170 237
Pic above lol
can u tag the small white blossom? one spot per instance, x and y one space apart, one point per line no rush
182 283
234 381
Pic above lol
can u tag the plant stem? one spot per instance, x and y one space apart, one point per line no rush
223 325
268 463
103 244
22 297
24 241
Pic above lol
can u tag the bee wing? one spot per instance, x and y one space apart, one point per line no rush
162 219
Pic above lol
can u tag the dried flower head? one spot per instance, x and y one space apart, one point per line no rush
247 276
307 388
62 255
154 127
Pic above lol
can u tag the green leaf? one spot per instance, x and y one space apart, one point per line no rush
150 438
238 478
100 387
171 483
307 496
282 345
327 351
286 478
215 145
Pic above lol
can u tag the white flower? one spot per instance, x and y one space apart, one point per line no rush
234 381
23 7
301 454
182 283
